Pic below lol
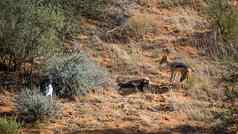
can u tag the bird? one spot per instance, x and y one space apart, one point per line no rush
50 90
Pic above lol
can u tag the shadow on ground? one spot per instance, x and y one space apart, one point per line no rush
184 129
152 88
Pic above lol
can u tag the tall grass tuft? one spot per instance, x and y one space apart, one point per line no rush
9 126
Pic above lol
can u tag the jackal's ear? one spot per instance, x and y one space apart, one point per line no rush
165 51
163 59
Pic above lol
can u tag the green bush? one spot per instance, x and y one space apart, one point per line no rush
43 21
9 126
74 75
29 28
74 10
230 80
92 9
231 92
228 121
175 3
33 28
225 17
33 106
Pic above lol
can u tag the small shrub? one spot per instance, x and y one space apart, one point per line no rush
175 3
230 80
196 110
74 75
228 121
118 35
9 126
200 114
138 26
92 9
117 11
135 28
231 92
146 3
34 107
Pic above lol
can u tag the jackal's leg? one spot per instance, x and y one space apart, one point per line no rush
176 76
171 77
184 75
173 73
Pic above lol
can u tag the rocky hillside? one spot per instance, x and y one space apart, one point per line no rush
128 43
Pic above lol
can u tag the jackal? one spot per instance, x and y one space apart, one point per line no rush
175 67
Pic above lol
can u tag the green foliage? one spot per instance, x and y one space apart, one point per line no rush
32 28
74 10
231 92
225 16
74 74
228 121
9 126
175 3
28 28
33 106
92 9
230 80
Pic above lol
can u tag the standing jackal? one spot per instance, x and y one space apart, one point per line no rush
175 67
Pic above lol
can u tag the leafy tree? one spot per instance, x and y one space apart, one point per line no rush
224 17
38 28
31 28
28 29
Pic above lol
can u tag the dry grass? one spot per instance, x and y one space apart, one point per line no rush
126 59
139 25
201 87
185 22
194 110
176 3
197 111
135 28
202 83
